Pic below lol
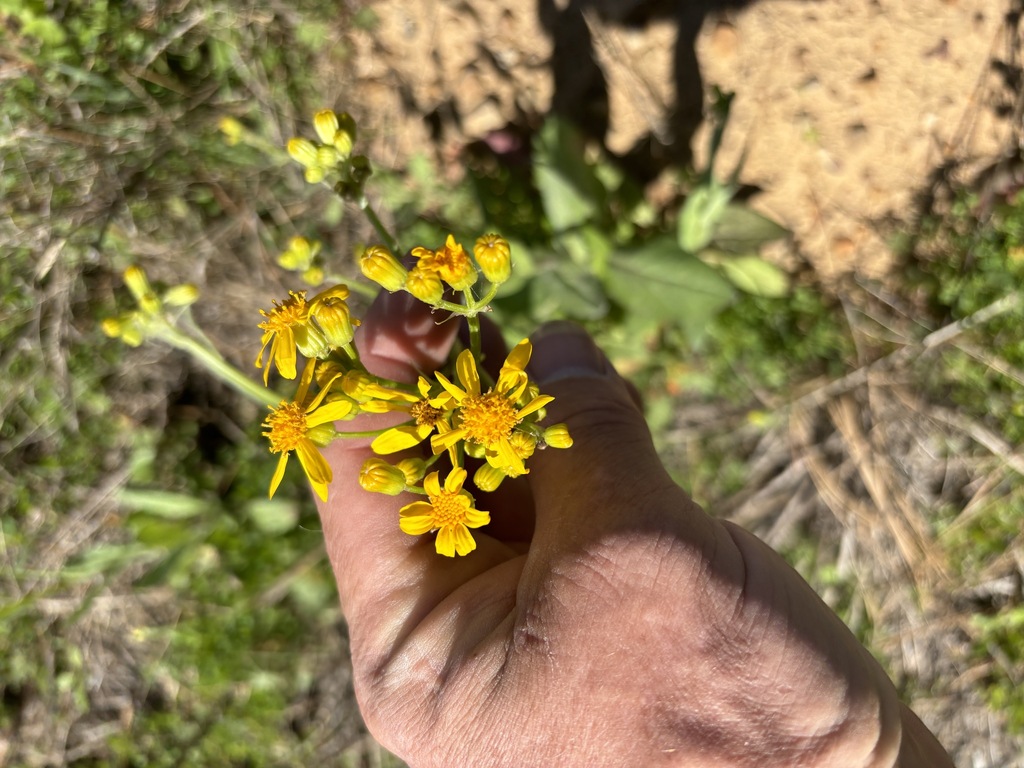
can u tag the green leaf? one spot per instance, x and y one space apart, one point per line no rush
660 281
569 188
700 215
107 559
741 230
166 504
565 291
273 515
756 276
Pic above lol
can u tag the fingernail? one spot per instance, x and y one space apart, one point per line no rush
563 350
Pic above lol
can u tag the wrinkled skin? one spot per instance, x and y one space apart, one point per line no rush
605 619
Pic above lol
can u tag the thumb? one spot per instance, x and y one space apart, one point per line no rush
611 479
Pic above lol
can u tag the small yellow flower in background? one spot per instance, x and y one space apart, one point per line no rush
183 295
377 476
449 511
493 254
137 282
451 263
337 131
232 130
286 327
300 254
378 264
304 152
295 426
127 328
425 285
489 418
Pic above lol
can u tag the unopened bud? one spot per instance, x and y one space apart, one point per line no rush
378 264
557 436
377 476
493 254
424 285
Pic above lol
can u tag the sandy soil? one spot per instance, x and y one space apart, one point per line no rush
844 111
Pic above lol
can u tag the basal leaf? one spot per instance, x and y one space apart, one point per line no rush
568 186
662 282
741 230
756 276
700 215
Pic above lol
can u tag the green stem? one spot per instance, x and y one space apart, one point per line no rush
218 366
365 433
371 216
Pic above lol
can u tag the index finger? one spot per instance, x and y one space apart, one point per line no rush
389 581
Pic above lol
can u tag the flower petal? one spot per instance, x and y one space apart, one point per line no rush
325 414
416 525
316 467
534 405
275 481
465 366
453 483
397 439
445 542
477 517
442 441
464 542
454 391
432 485
519 356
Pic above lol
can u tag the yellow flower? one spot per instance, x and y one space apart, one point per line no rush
494 256
232 130
451 263
450 512
378 264
293 426
427 414
489 476
287 327
305 153
489 418
300 254
337 131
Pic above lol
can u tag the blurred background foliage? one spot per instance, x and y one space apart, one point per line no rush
157 609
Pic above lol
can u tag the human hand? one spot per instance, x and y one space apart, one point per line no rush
604 618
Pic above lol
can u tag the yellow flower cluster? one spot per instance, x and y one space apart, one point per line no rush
135 326
450 418
336 134
448 265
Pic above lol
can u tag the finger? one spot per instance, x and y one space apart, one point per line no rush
611 478
386 578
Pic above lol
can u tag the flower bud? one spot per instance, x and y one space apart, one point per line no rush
488 478
182 295
378 264
493 254
557 436
424 285
377 476
325 122
310 341
232 130
333 319
303 152
413 469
